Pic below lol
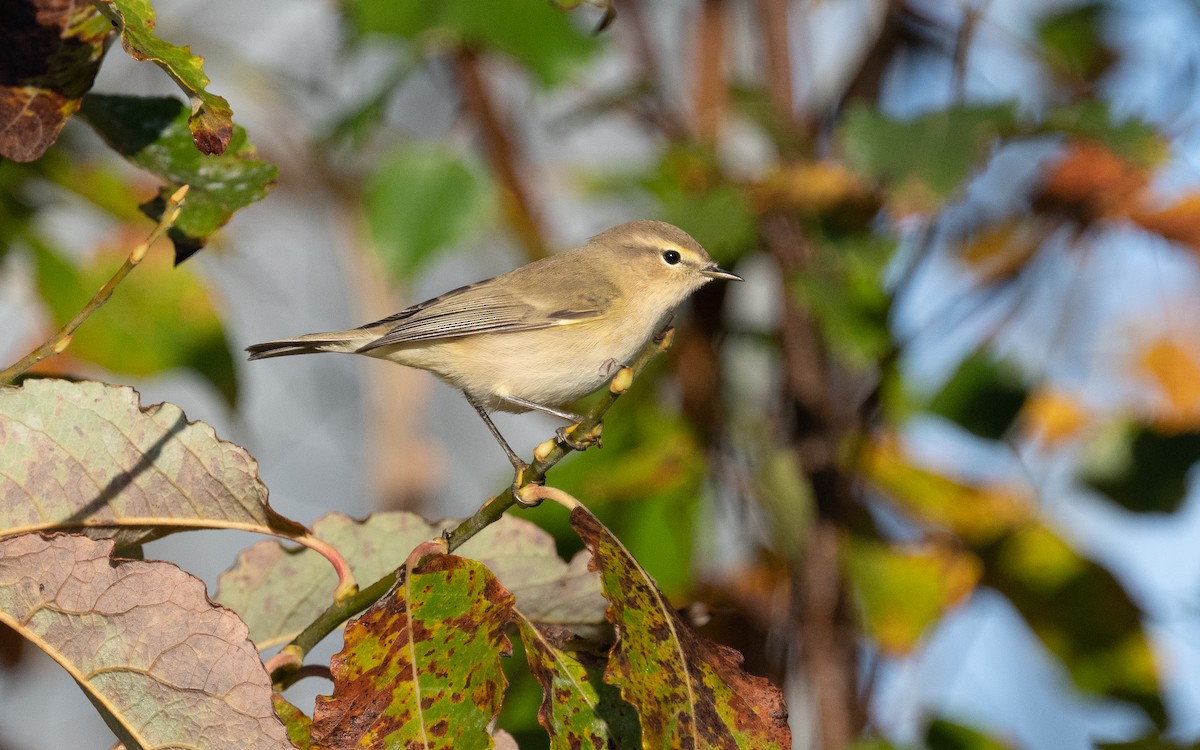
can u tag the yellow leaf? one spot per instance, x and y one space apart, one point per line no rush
1174 370
1052 416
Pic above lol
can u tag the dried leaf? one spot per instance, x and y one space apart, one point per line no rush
50 51
578 708
1180 221
1091 182
163 665
87 456
211 121
421 667
1173 369
688 691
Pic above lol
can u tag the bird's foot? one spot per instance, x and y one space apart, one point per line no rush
520 483
566 435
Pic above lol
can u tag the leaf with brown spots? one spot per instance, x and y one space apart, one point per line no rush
578 708
162 664
299 726
689 691
421 667
86 456
211 121
278 591
50 51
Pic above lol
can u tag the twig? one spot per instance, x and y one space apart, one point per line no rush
711 93
285 664
58 343
501 154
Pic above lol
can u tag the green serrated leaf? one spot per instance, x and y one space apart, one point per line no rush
688 691
152 133
928 157
161 320
52 52
211 122
421 667
534 32
421 200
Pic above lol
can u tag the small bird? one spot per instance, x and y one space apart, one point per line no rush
542 335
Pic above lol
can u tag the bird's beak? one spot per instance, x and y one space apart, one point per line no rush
713 272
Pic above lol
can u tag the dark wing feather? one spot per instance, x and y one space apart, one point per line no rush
478 308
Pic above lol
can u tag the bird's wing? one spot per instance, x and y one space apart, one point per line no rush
478 308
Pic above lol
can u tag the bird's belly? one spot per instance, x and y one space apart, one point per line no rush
555 368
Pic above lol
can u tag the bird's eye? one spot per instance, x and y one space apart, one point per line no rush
672 257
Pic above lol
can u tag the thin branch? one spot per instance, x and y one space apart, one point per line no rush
284 665
711 92
58 343
501 154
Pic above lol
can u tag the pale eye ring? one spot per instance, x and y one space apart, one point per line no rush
671 257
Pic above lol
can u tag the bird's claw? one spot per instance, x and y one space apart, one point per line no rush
592 437
518 485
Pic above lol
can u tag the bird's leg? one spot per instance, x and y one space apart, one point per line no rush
563 433
519 466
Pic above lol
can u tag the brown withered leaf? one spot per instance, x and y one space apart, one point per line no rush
163 665
421 667
1179 221
50 51
1091 182
689 691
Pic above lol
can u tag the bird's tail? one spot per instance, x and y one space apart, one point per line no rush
334 341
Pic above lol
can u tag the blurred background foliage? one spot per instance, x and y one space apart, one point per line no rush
958 396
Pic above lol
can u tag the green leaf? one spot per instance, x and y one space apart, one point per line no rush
152 133
421 200
421 667
52 51
211 123
688 691
160 319
534 32
299 726
903 591
1152 741
86 456
1145 471
983 396
1133 139
162 664
843 290
1072 41
947 735
578 708
928 157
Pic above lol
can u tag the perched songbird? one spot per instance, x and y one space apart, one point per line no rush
542 335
